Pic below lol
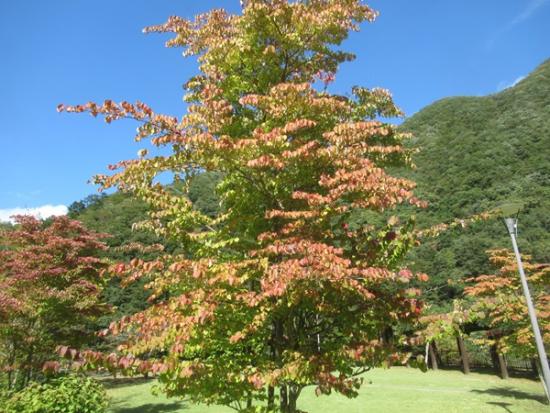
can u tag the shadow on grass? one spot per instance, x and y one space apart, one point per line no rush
511 392
151 408
503 405
111 383
120 405
516 374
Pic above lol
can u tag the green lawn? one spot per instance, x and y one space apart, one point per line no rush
396 390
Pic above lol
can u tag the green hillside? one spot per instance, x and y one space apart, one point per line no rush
116 213
477 153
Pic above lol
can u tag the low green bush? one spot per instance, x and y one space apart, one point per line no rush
67 394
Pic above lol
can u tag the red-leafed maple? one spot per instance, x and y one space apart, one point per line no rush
299 277
49 292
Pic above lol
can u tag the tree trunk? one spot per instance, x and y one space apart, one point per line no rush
499 362
503 367
387 335
270 398
534 367
294 392
11 363
15 380
27 376
463 354
284 399
433 358
437 355
288 398
494 358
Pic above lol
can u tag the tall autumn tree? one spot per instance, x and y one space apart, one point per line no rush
49 292
285 287
500 303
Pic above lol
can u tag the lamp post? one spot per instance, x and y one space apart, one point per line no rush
512 225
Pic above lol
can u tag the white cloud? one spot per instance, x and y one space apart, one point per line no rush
531 8
42 212
505 85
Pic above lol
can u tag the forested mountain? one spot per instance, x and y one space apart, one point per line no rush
478 153
116 213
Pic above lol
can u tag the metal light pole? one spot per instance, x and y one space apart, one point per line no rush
512 225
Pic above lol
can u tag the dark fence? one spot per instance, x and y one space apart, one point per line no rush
481 359
484 361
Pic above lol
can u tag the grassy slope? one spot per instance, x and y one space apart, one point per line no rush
396 390
476 154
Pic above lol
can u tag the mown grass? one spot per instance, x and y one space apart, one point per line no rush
388 391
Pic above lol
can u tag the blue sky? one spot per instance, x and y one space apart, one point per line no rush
73 51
